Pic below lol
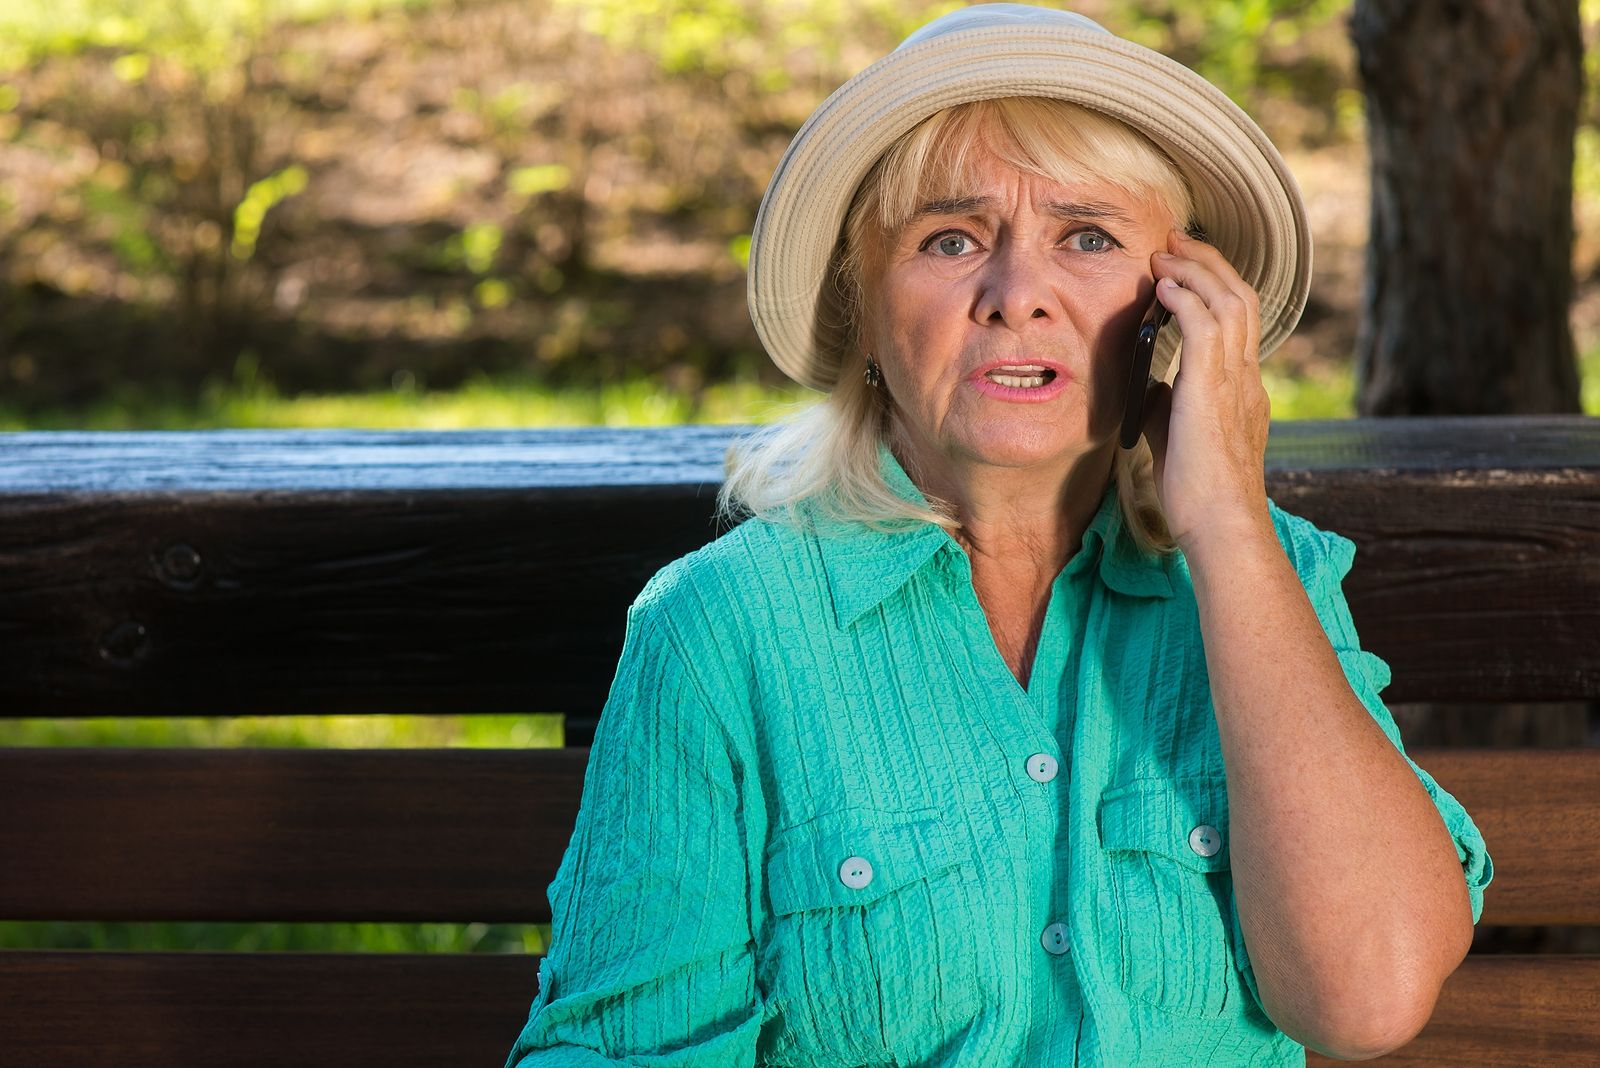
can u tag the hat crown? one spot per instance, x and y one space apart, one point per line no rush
991 16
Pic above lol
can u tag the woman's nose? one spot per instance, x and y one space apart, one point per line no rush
1016 288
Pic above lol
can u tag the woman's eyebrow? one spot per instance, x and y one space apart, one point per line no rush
1088 210
951 206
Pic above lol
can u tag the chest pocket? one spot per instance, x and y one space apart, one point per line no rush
872 946
1167 846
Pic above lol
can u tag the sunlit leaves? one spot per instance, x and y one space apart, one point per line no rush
258 200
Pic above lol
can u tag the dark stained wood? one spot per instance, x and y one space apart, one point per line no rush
460 835
256 572
321 572
1508 1012
387 602
174 1010
476 835
62 1010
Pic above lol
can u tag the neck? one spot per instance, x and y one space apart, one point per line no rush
1014 520
1019 527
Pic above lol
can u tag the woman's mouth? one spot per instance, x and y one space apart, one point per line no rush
1021 376
1021 382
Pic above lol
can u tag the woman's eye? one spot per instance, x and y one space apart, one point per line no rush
1089 241
952 244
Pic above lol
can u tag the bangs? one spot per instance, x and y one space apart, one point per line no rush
1052 139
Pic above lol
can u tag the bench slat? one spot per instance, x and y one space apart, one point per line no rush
158 1010
284 834
404 1010
268 572
1539 811
476 835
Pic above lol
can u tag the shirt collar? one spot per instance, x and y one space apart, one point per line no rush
865 566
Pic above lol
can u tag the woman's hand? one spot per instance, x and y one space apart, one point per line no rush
1208 430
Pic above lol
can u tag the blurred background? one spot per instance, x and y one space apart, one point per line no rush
503 213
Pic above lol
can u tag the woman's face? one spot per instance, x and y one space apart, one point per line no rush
1004 320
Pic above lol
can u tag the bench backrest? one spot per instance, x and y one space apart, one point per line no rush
246 572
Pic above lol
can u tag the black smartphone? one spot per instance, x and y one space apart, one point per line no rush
1144 347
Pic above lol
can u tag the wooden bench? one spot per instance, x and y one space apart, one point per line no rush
245 572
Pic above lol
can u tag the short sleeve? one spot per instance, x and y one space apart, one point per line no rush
1323 559
651 960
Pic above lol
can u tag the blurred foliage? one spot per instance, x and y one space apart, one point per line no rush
1244 47
772 42
207 36
258 200
357 191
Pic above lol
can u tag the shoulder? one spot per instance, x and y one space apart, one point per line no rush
726 611
746 562
728 599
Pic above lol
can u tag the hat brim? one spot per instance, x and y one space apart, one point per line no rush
1244 196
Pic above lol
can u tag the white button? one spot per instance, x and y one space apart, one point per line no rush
1042 767
855 872
1205 840
1055 939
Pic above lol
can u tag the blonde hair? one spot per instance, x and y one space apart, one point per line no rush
825 457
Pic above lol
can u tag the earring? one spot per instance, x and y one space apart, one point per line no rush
873 375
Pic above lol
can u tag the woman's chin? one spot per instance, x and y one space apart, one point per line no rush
1029 447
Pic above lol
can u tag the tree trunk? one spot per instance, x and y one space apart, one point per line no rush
1471 109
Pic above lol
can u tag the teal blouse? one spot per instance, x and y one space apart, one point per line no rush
824 826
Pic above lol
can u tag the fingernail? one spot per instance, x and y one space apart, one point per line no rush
1165 256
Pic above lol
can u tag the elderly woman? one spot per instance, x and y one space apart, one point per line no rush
986 740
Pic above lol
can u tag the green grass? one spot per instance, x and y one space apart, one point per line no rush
293 732
280 937
249 399
1328 395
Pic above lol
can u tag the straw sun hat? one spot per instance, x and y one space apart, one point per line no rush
1244 196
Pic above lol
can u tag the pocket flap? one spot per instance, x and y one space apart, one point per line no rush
1180 819
803 869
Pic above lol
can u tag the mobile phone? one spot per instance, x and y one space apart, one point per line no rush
1144 347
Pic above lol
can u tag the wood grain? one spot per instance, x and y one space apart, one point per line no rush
466 835
175 1010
